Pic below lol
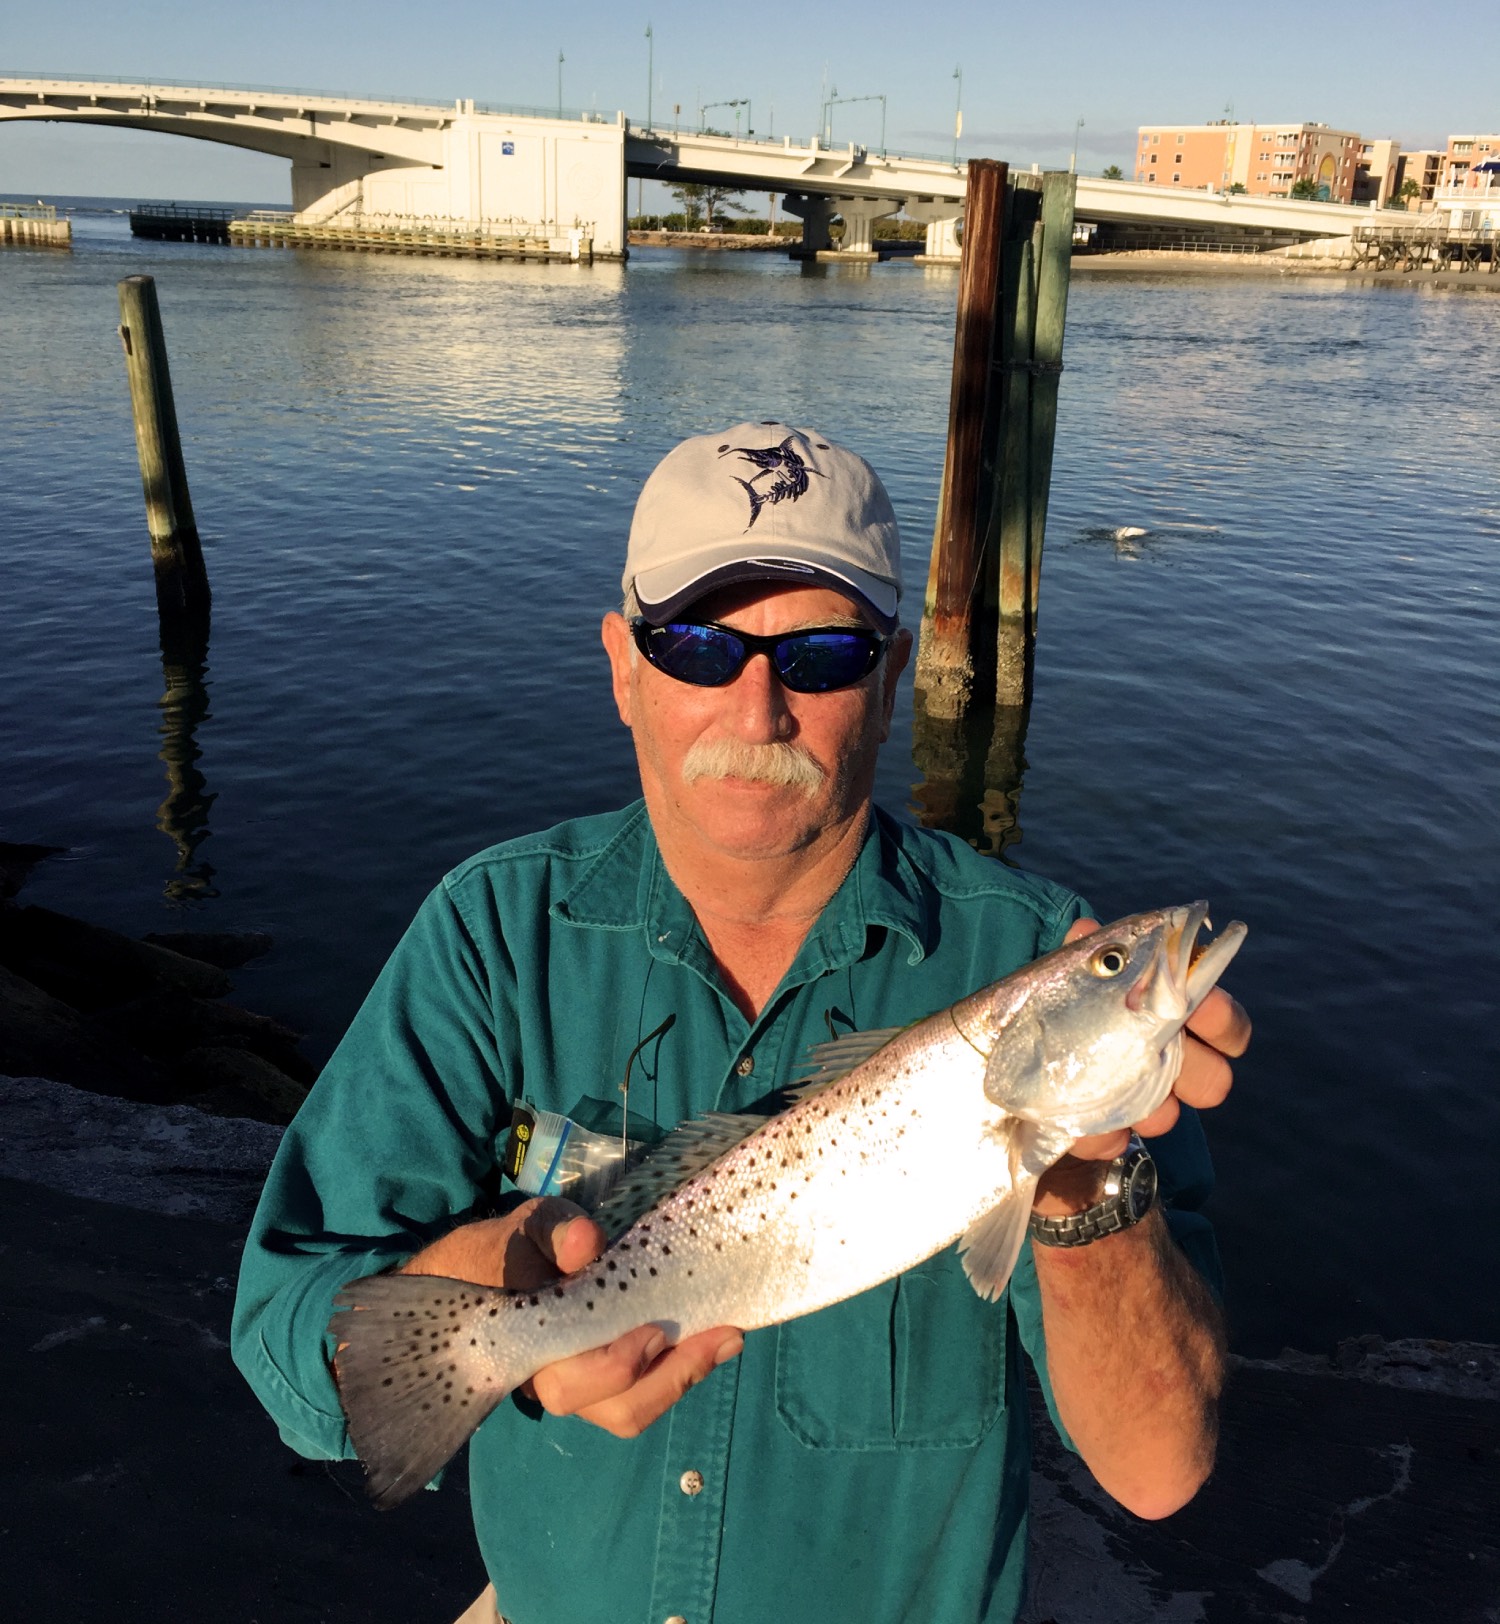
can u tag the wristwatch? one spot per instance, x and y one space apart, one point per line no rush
1129 1194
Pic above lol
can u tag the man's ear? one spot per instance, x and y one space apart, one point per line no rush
615 634
896 656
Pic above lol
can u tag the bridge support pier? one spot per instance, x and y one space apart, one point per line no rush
859 215
941 217
816 215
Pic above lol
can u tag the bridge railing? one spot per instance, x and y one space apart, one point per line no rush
28 211
305 93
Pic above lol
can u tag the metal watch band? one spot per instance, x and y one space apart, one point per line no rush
1130 1185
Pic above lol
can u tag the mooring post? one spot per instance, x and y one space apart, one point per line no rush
1054 269
1009 537
945 658
182 593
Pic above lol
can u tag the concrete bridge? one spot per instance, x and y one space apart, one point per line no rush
464 161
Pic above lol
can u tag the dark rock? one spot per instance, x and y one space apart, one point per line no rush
167 1024
17 859
142 1482
204 1072
120 966
40 1036
229 949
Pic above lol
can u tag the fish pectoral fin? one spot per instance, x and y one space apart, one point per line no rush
831 1061
990 1245
683 1154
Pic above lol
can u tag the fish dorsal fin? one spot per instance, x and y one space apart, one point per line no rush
686 1151
836 1059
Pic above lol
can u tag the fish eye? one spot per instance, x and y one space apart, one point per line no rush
1108 961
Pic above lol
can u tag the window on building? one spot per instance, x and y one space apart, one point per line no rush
1463 146
1177 158
1153 157
1175 177
1151 178
1155 139
1181 139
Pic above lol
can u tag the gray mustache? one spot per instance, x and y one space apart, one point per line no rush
780 763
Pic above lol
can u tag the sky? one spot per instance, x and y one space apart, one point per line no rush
1029 74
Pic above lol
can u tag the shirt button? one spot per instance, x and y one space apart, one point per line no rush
690 1483
745 1065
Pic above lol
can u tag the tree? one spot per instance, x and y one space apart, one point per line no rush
1306 187
706 205
1112 173
1239 188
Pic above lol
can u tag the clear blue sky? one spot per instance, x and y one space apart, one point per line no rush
1028 72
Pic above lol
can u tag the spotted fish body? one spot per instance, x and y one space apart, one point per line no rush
902 1143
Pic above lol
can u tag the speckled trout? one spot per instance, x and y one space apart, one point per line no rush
897 1144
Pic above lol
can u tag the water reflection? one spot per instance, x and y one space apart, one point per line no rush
972 766
183 815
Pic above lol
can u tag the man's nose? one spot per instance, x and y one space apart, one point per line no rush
759 710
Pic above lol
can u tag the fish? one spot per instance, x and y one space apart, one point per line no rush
897 1144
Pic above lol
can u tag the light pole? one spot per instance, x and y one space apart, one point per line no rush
736 104
958 112
559 83
650 70
1073 161
837 100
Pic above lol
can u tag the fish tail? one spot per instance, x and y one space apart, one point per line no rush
411 1377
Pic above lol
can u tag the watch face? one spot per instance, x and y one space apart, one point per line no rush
1140 1190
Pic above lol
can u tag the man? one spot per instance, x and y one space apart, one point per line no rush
868 1462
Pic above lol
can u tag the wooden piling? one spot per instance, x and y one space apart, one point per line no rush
979 624
945 657
182 594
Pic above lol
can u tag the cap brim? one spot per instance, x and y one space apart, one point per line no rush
663 593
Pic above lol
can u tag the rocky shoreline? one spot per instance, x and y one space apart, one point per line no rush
146 1020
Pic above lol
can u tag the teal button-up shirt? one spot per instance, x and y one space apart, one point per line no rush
867 1462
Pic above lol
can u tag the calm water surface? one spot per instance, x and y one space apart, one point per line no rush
414 479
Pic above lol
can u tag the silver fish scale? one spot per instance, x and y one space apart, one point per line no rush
850 1187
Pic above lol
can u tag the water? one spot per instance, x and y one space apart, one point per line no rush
414 478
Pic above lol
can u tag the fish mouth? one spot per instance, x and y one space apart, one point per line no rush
1195 966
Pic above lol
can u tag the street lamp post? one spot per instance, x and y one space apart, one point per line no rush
837 100
958 112
736 104
1073 161
650 70
559 83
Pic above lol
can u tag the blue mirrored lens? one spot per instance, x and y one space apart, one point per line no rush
810 662
817 662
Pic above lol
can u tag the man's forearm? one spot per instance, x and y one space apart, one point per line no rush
1135 1354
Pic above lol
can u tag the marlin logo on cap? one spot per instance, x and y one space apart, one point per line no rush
786 470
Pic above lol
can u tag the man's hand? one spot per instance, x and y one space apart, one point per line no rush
1217 1032
623 1387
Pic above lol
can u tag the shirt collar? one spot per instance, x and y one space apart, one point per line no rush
626 887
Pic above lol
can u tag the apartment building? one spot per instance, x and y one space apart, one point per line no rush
1425 168
1267 160
1376 172
1461 159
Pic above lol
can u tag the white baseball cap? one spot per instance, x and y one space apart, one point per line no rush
762 502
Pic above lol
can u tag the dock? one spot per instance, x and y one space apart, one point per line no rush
1431 246
403 234
34 225
181 222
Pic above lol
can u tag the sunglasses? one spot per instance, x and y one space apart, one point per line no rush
818 660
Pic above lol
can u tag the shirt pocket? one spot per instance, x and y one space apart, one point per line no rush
917 1363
